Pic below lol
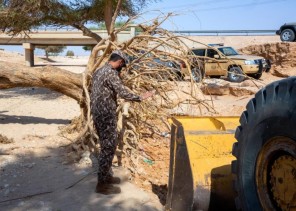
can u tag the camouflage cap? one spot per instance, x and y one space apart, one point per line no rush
122 55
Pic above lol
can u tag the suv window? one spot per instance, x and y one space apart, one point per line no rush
211 53
199 52
228 51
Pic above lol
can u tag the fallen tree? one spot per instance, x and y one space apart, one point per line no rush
65 82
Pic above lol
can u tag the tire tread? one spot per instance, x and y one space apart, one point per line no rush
234 167
275 93
235 149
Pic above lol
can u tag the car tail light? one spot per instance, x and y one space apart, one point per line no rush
182 64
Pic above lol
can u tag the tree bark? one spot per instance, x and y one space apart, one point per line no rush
108 15
65 82
87 32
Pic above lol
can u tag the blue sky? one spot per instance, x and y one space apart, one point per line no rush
225 14
213 15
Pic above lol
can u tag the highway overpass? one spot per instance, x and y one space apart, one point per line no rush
235 38
63 38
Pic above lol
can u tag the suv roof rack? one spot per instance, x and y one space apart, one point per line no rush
216 44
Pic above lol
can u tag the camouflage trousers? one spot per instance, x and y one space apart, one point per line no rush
106 126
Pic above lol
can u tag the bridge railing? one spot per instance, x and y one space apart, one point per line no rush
184 32
225 32
54 29
66 29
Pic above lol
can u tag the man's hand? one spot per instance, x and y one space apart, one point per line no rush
147 94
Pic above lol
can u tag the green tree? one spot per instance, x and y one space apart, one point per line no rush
87 48
70 53
17 16
52 50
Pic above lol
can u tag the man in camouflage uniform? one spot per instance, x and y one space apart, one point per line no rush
106 85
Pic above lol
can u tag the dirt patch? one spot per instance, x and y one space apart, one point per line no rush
152 174
5 140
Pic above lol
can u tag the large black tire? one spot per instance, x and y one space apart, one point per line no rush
287 35
235 74
266 137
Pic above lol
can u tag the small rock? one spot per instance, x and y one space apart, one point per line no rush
85 160
215 89
6 185
239 91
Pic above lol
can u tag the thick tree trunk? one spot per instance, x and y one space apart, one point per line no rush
14 75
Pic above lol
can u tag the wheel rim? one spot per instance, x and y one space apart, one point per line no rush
276 174
235 75
282 174
286 35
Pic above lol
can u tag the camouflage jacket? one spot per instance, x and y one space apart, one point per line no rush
106 85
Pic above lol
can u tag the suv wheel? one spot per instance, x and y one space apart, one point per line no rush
288 35
197 75
235 74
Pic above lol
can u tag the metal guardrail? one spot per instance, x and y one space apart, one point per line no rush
66 29
226 32
185 32
53 29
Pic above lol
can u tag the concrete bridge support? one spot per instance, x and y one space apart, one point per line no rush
29 54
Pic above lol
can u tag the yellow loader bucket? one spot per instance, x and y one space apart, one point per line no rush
200 163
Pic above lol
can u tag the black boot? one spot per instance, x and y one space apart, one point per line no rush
113 180
107 189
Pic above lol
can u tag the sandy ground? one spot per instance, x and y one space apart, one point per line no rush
34 172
